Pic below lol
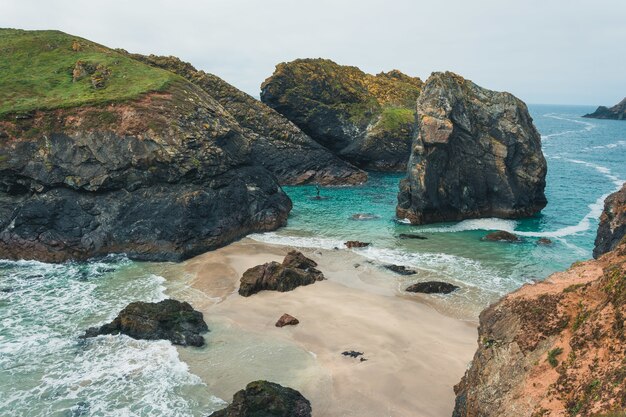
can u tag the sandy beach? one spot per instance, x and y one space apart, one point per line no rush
414 353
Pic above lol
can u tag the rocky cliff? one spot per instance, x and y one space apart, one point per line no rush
100 153
556 348
612 228
617 112
366 119
275 143
476 153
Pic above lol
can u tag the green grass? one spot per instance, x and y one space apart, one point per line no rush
552 356
395 118
36 72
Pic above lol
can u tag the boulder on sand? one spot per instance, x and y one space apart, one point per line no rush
169 319
432 287
295 271
287 320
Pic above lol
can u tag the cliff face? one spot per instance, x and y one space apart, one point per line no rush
612 228
275 142
475 154
366 120
617 112
89 169
556 348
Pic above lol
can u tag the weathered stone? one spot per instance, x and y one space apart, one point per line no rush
612 228
356 244
365 119
617 112
432 287
544 241
295 271
502 236
169 319
475 154
399 269
266 399
287 320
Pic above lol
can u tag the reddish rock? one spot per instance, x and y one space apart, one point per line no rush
287 320
356 244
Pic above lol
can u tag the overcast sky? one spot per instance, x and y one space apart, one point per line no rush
543 51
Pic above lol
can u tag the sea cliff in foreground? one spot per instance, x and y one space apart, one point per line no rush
555 348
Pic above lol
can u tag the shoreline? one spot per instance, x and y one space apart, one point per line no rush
415 354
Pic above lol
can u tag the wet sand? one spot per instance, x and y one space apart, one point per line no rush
414 353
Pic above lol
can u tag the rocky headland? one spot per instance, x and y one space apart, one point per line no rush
367 120
617 112
555 348
476 153
612 227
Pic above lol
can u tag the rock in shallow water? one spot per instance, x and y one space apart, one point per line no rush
295 271
411 236
432 287
169 319
356 244
501 236
476 154
266 399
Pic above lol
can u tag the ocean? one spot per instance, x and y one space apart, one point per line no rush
46 370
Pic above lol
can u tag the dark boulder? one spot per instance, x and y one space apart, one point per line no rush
617 112
612 228
287 320
502 236
399 269
356 244
411 236
169 319
432 287
365 119
295 271
266 399
544 241
476 153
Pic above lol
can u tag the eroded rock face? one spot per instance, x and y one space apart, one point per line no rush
169 319
163 177
475 154
275 143
612 228
365 119
617 112
266 399
296 270
553 349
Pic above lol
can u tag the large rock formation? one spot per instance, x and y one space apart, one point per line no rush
617 112
295 270
367 120
476 154
169 319
612 228
275 143
149 165
266 399
551 349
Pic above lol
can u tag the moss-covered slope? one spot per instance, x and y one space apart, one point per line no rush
366 119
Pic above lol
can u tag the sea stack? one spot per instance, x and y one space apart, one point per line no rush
476 153
365 119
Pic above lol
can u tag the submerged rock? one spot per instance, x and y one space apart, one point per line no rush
617 112
476 153
287 320
364 216
356 244
411 236
544 241
169 319
274 142
612 228
295 271
365 119
399 269
502 236
432 287
266 399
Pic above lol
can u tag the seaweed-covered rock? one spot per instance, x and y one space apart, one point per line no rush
295 271
169 319
617 112
275 143
365 119
266 399
612 228
476 153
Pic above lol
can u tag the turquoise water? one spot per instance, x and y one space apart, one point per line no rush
45 370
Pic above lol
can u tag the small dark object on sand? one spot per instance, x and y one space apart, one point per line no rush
352 353
399 269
